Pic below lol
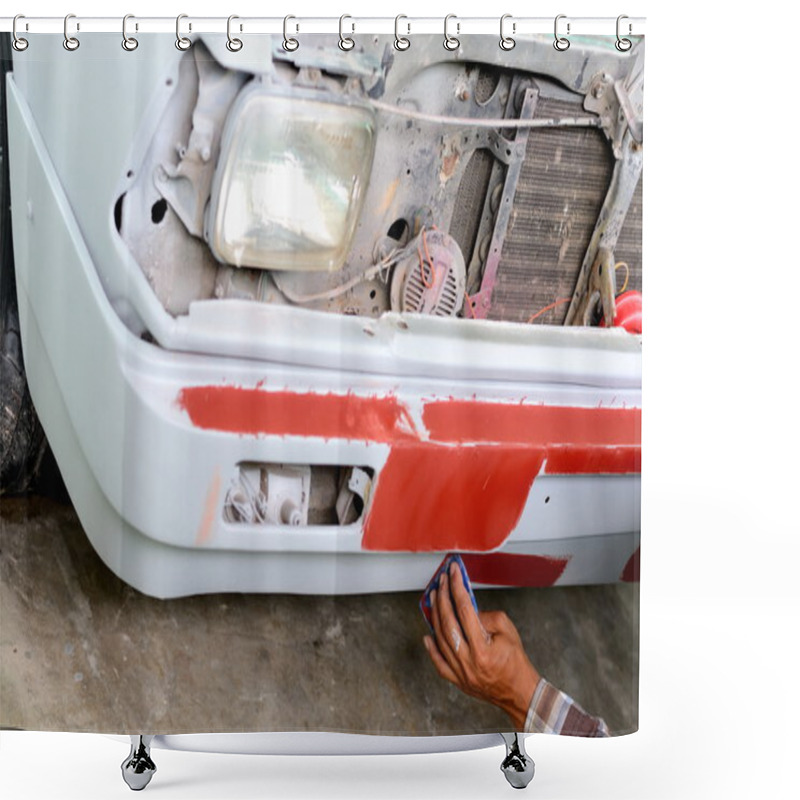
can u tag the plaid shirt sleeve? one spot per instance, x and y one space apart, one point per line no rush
552 711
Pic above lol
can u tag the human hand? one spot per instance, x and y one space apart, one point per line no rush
482 653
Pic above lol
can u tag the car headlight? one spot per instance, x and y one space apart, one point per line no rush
290 182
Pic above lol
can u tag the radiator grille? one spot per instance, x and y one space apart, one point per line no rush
469 201
629 243
487 82
561 189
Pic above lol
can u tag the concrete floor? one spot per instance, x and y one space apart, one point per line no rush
82 651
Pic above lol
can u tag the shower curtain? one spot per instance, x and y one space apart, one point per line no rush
322 381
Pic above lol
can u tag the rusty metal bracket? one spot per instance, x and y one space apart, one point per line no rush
501 148
630 101
602 99
482 299
599 287
626 175
618 103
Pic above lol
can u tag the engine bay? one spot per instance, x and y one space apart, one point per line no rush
460 189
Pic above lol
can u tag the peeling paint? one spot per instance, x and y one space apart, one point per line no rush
388 197
451 154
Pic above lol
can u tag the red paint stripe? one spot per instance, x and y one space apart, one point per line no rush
236 409
513 569
631 572
578 440
472 421
433 497
581 460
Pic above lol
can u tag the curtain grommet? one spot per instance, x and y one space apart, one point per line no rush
129 43
451 42
19 43
345 42
622 44
561 43
181 42
507 42
401 42
289 43
233 44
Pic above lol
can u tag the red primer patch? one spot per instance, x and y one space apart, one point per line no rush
471 421
236 409
513 569
631 572
582 460
433 497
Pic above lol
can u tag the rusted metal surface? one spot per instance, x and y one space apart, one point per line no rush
629 242
597 297
481 301
564 179
472 194
627 172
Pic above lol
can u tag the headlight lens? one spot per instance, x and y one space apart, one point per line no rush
290 182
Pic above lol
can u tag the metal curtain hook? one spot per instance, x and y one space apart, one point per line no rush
289 44
401 42
181 42
451 42
623 45
506 42
19 43
233 44
70 42
345 42
561 43
128 42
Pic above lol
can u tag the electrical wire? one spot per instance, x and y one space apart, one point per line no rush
560 301
627 275
469 305
253 507
428 284
376 269
329 294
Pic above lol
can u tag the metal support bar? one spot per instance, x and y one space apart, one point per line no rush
626 175
500 147
599 292
482 299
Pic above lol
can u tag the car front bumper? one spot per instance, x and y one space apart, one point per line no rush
536 474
